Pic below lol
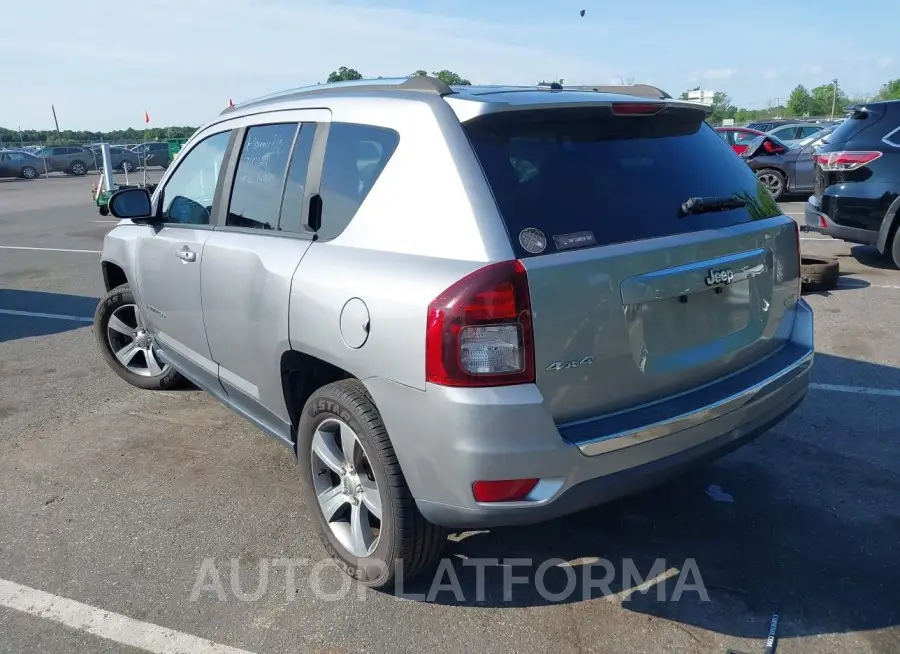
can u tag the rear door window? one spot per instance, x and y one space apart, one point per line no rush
583 177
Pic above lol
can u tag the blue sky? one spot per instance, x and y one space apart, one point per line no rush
181 60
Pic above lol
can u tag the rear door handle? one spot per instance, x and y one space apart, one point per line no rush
186 255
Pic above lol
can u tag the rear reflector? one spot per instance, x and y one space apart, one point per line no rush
833 162
507 490
636 108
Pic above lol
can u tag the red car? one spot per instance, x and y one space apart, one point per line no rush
738 137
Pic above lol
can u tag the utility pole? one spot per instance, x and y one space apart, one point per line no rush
58 135
777 107
834 96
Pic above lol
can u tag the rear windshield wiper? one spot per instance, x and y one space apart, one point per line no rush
693 206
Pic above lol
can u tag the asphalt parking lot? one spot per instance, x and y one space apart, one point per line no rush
120 509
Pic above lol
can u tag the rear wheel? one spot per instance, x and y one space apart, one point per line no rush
78 168
365 514
29 172
773 180
127 345
126 166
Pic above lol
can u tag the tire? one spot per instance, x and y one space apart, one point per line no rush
126 166
773 180
818 273
104 210
78 168
405 537
120 304
29 172
895 247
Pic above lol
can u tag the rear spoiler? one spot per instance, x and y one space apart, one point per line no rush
637 90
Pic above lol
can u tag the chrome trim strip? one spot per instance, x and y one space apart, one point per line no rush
718 409
887 137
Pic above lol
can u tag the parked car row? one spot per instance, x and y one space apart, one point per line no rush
850 167
79 160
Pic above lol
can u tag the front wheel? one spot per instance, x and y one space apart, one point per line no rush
895 248
78 168
127 345
364 512
773 180
29 172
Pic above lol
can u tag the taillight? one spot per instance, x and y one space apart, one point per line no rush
833 162
636 108
479 331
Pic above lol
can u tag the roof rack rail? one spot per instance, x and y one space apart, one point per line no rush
421 83
554 86
639 90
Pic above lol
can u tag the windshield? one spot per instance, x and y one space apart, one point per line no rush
815 138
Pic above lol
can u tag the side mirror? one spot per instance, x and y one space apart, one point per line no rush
131 203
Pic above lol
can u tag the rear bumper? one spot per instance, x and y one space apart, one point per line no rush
817 221
446 439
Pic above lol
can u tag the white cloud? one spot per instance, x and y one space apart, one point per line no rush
884 62
815 70
770 74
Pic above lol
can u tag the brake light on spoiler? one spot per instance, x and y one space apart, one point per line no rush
834 162
637 108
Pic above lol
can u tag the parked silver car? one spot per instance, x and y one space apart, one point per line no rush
463 307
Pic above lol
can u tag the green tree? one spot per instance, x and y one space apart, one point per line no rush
721 108
446 76
800 102
344 74
450 78
890 91
824 96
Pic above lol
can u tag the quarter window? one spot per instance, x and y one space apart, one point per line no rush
259 178
355 155
187 197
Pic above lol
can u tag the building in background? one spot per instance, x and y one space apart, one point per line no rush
701 96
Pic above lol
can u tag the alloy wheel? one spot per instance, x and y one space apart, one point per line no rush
345 487
130 342
772 183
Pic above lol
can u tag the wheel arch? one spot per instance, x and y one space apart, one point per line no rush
889 226
302 375
113 275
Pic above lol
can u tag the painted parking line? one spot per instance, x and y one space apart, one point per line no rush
52 316
105 624
25 247
859 390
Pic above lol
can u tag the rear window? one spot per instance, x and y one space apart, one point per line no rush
856 123
566 178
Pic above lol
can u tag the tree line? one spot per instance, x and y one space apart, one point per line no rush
801 102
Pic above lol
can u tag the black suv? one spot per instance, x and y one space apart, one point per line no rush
857 191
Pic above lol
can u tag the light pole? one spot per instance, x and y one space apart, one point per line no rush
833 96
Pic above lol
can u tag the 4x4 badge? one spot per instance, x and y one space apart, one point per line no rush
721 276
565 365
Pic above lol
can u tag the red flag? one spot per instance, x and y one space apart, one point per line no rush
230 103
146 117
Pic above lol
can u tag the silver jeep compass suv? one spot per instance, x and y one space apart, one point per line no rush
463 307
